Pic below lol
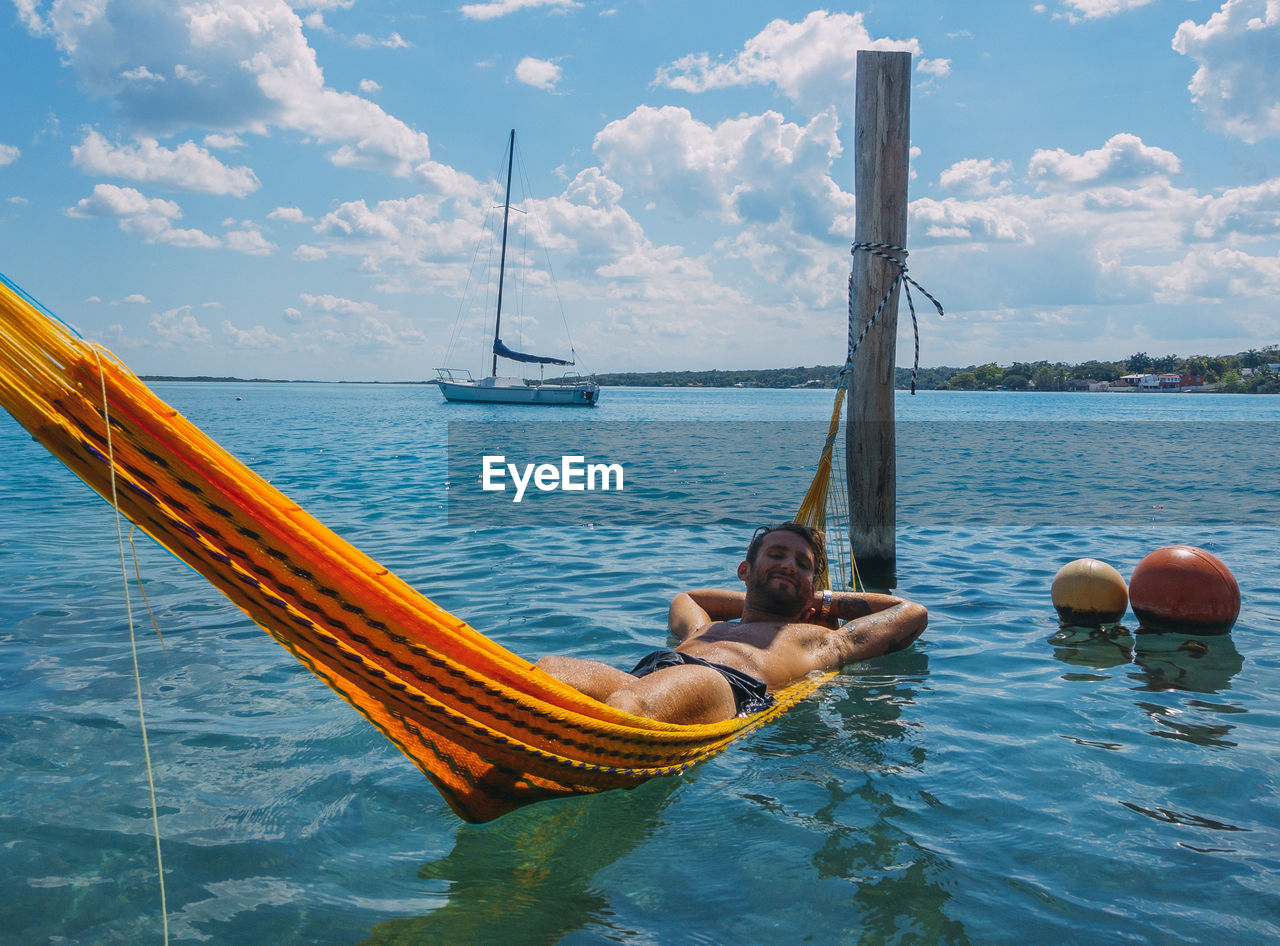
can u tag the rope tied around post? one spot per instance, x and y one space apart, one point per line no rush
883 250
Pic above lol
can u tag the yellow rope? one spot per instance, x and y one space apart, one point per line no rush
825 505
137 574
133 645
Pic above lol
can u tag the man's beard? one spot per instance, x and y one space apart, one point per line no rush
783 600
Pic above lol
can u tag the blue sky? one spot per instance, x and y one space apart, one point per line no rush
297 190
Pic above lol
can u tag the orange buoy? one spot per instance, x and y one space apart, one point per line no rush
1089 593
1186 590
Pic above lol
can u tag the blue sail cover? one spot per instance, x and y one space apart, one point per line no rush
502 351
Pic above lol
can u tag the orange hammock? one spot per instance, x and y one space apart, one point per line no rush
489 731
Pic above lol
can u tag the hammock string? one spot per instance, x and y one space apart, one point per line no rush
133 642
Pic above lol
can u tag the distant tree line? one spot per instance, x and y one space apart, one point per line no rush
819 376
1243 373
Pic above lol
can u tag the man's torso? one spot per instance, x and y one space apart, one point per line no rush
776 653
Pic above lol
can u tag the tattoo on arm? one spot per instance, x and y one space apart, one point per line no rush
851 608
847 607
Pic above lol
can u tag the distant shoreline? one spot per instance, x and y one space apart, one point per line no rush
1252 372
683 387
206 379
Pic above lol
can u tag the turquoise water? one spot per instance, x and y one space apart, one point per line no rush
998 782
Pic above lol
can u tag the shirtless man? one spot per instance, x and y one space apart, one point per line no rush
735 647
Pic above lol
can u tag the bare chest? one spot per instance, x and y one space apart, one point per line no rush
776 653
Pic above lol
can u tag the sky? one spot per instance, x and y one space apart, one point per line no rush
259 188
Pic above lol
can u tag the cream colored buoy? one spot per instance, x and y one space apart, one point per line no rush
1089 593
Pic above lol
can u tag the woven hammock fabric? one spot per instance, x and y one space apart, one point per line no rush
490 731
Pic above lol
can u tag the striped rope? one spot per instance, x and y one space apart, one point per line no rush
883 250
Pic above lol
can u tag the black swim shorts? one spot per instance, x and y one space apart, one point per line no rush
749 693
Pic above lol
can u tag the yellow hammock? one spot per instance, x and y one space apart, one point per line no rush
489 731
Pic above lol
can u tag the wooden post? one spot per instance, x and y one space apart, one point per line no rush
881 160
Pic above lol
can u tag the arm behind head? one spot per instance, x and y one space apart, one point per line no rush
691 612
893 624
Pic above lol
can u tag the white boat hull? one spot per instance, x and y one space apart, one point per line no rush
515 391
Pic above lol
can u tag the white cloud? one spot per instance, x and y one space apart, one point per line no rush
810 62
336 305
187 167
245 66
256 338
1098 9
179 327
363 333
135 298
30 17
977 221
355 219
424 235
369 87
250 241
1238 212
1112 202
753 170
539 73
333 323
151 219
141 74
765 179
223 142
974 177
601 254
289 215
186 74
493 9
8 154
936 68
1222 273
1123 159
1105 253
587 226
191 239
1237 79
394 41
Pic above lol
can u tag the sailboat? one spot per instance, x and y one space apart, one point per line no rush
457 384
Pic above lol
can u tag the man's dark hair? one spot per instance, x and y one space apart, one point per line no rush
817 541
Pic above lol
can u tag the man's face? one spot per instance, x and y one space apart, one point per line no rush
780 580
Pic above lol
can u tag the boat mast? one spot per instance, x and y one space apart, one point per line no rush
502 263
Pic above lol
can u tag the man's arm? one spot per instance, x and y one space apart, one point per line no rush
692 611
891 624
